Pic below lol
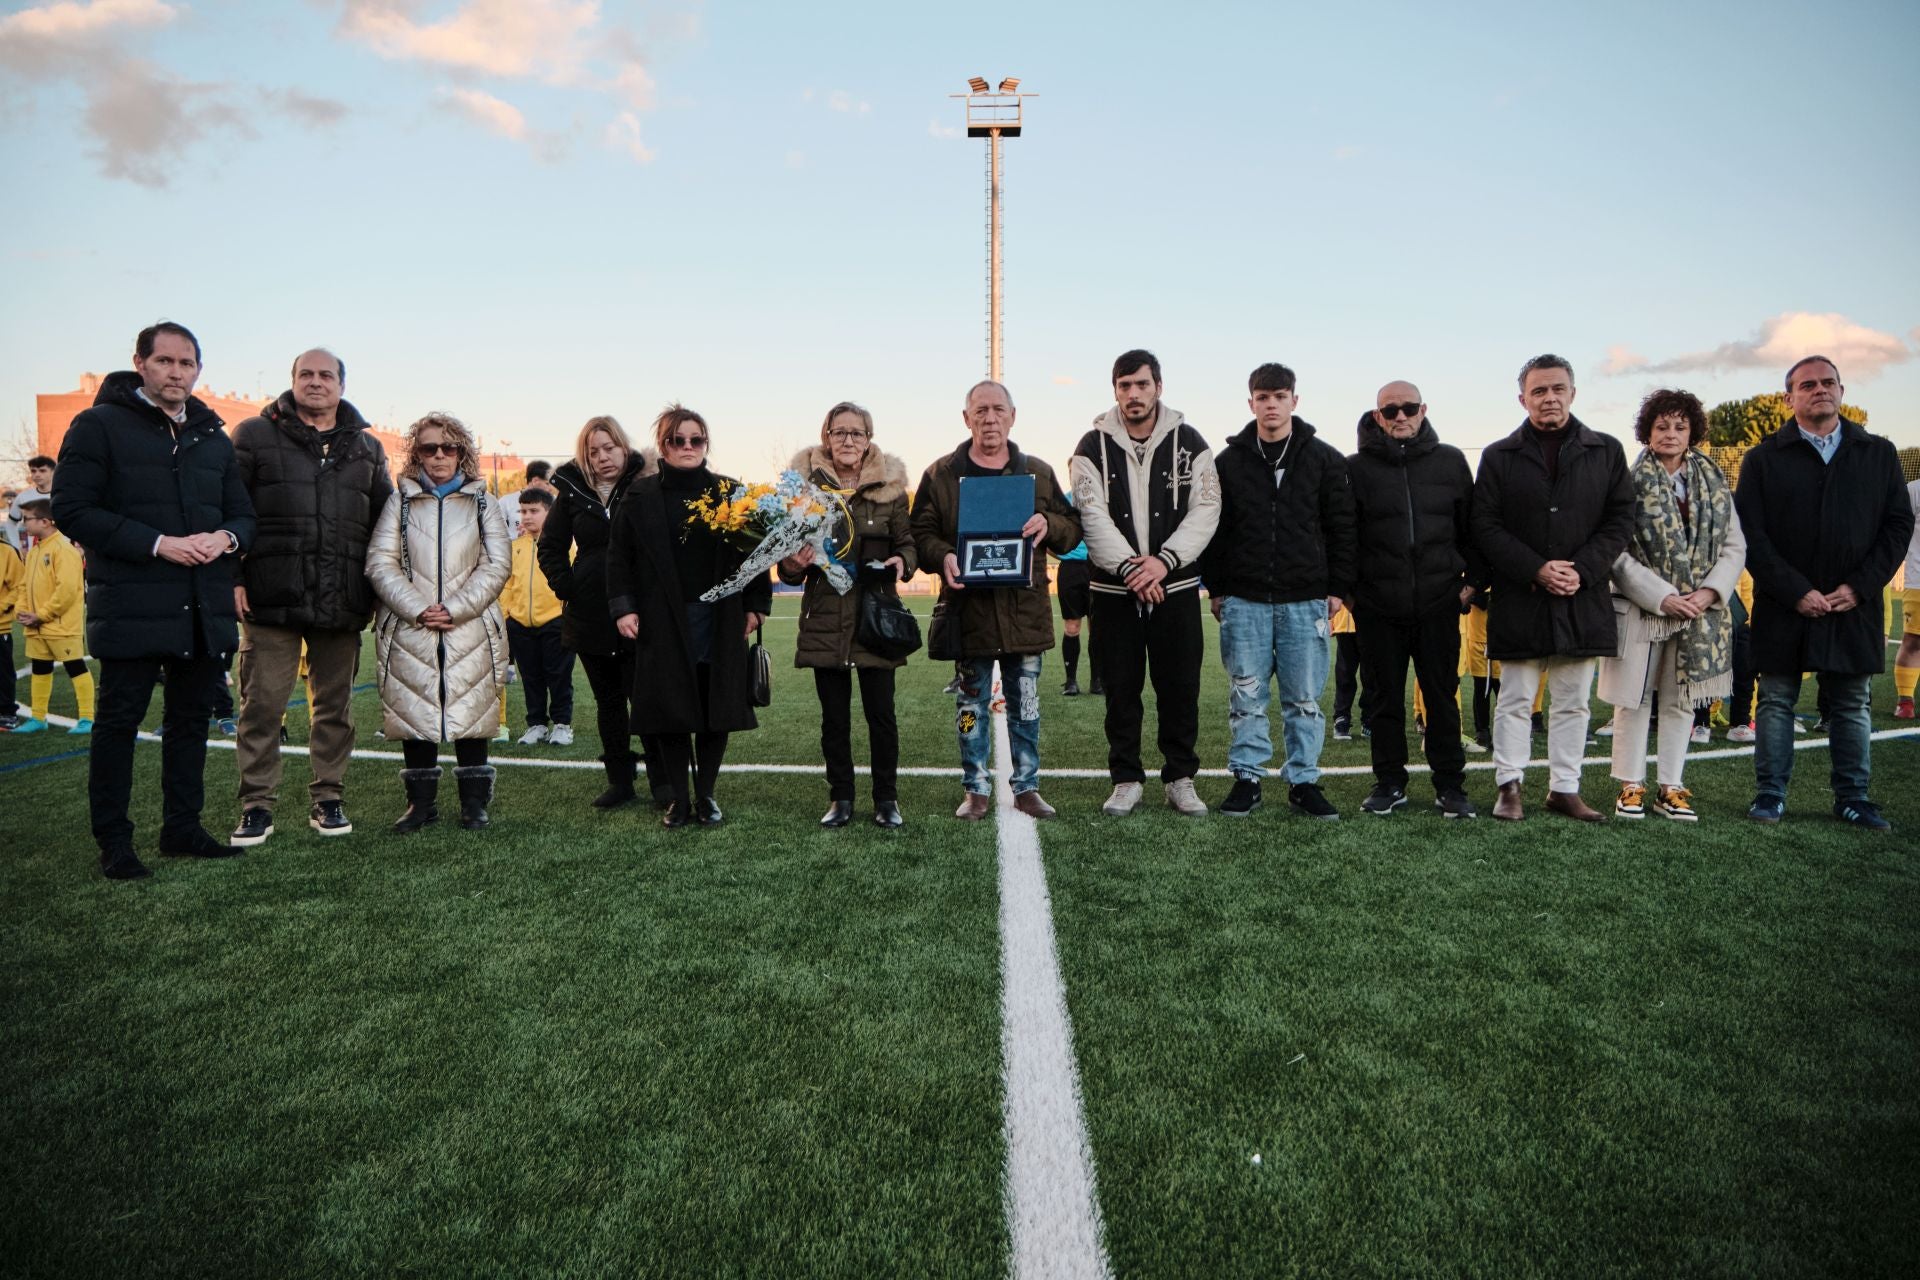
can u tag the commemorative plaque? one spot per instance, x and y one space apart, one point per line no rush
990 548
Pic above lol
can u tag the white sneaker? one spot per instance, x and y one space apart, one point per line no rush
561 735
503 734
1182 799
1124 800
1471 747
1741 733
1702 733
1604 731
535 733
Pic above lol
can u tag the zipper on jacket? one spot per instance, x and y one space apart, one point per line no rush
1413 535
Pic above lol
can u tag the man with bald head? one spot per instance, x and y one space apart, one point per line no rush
1418 567
318 479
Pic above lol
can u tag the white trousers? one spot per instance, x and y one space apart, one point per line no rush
1676 723
1569 683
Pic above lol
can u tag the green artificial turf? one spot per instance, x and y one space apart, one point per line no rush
576 1044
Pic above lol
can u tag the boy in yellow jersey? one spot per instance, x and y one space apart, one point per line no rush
13 578
1906 663
53 611
533 631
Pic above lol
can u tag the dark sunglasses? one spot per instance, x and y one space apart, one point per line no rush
687 442
429 450
1391 412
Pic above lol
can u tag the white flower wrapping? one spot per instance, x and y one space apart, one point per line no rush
798 513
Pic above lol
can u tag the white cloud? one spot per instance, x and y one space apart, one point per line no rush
841 100
1860 351
937 130
1622 359
796 159
623 135
1064 380
1345 152
490 113
67 22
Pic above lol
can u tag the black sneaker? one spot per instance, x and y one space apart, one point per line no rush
1071 689
1823 725
1243 799
1384 799
1305 797
1454 804
121 864
256 824
1098 688
1767 808
329 818
1864 814
1342 731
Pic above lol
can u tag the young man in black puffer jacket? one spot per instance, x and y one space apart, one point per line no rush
1279 564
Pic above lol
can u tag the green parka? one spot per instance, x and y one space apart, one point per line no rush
878 506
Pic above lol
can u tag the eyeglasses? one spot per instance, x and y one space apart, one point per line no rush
686 442
1393 411
451 449
846 435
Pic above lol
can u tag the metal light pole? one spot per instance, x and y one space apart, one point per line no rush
993 114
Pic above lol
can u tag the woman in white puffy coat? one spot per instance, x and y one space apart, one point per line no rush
439 559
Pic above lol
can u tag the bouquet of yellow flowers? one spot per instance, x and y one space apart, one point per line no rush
771 522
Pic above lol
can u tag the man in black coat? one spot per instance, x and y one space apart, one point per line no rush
148 485
318 479
1552 508
1827 521
1411 499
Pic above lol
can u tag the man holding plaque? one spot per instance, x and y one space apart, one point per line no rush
1149 500
979 515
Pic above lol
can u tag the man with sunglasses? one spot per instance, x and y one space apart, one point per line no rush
1412 499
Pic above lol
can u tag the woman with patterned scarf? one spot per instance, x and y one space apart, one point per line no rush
1670 591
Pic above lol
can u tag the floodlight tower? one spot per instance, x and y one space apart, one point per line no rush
993 114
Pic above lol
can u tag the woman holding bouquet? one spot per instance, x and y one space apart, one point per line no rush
693 679
874 487
1670 592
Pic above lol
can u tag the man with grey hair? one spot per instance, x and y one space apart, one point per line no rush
318 479
1552 508
1008 627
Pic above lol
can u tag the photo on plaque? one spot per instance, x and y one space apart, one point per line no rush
990 548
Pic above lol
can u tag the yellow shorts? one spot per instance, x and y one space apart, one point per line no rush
1910 616
55 648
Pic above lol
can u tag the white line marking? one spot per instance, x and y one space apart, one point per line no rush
1053 1212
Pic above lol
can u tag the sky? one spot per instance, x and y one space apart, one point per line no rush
530 213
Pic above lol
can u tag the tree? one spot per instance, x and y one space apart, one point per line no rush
1749 421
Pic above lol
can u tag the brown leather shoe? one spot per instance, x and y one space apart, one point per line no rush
974 807
1507 806
1030 803
1568 804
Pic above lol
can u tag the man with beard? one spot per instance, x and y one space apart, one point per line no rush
1149 500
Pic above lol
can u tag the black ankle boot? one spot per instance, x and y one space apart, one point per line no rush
476 793
619 790
423 787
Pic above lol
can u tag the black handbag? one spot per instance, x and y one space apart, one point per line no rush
886 629
760 671
943 634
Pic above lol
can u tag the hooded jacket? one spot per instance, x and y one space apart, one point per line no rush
127 479
1521 520
315 495
1412 505
878 505
1285 543
573 553
993 620
440 685
1162 501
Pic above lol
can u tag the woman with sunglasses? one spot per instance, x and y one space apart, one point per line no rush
573 556
874 487
692 673
439 558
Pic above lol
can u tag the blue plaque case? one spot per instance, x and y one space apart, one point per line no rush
990 548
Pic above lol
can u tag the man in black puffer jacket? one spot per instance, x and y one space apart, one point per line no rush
1412 497
318 480
1280 560
149 487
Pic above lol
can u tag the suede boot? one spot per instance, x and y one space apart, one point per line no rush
423 788
476 793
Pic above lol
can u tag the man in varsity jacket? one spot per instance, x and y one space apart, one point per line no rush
1149 500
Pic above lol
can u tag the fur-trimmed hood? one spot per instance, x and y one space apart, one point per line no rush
883 477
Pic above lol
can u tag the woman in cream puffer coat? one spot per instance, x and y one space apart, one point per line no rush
439 557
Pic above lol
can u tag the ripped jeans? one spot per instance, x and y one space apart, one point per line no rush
1288 644
973 719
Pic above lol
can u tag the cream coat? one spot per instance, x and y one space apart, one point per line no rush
1637 593
436 685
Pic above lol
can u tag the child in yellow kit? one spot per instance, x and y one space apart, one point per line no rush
53 611
534 632
13 578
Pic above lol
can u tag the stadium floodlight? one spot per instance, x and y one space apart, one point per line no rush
993 114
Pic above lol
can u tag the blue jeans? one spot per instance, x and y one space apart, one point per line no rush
1285 643
1851 727
973 719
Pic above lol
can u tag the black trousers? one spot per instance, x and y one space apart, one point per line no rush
419 753
126 688
1346 671
671 756
9 687
1165 640
546 671
610 676
1740 705
1432 644
835 687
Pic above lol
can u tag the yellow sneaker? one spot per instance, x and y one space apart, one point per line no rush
1676 803
1632 802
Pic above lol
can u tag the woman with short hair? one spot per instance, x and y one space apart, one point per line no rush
439 557
874 487
1670 591
693 681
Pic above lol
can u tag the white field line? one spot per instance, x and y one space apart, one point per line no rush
1053 1210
